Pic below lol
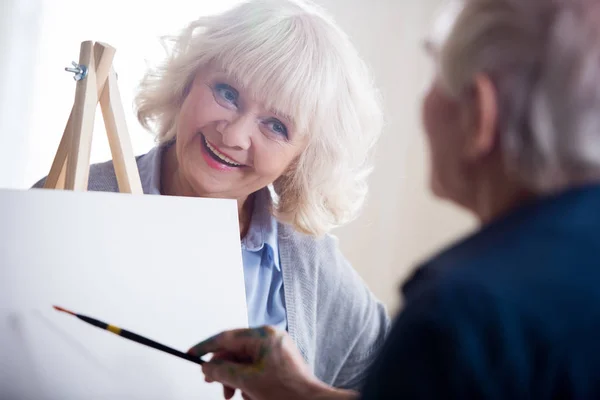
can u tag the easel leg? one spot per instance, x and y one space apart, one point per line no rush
124 162
86 99
56 176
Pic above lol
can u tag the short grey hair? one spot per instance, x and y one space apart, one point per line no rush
293 56
544 58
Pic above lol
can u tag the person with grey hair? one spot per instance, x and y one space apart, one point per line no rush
269 103
512 311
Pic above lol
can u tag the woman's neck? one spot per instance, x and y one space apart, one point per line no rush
245 211
173 183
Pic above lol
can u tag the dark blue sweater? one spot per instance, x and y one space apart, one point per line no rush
511 312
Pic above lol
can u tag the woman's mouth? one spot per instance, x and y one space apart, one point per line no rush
218 156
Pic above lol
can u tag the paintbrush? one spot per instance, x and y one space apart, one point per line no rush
133 336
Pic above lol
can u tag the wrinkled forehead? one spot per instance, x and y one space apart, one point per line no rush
443 23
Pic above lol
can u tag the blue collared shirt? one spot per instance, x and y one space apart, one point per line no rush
260 252
262 268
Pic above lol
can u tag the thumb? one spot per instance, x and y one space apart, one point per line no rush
240 342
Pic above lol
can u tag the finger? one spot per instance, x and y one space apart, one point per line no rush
241 342
224 372
228 392
230 373
224 356
203 347
227 356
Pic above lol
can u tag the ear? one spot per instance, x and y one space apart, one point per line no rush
483 118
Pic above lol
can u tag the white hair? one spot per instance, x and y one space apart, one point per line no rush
292 57
544 58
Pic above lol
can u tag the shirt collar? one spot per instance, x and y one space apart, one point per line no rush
263 226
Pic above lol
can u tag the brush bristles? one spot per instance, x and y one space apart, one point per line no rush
63 310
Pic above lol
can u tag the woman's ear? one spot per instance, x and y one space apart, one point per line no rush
483 118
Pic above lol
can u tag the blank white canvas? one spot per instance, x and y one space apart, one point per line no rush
168 268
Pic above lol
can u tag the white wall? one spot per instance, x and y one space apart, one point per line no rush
402 222
19 45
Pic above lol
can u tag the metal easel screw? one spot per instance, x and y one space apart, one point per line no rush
80 71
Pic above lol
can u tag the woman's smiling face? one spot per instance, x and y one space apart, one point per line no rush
228 145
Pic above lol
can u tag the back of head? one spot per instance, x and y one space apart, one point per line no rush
544 58
291 56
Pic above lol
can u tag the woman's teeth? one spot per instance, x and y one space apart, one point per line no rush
221 156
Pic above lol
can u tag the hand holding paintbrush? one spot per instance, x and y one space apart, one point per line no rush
133 336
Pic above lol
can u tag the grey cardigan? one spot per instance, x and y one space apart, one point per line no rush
336 322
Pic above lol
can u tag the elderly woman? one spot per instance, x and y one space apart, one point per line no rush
513 311
270 104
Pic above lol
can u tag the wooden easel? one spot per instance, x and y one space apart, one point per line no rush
96 81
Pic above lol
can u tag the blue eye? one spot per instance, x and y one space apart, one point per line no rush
278 127
227 93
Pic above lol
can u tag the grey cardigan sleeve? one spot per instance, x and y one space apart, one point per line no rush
374 324
39 184
352 323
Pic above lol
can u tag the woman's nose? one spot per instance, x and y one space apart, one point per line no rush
237 133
